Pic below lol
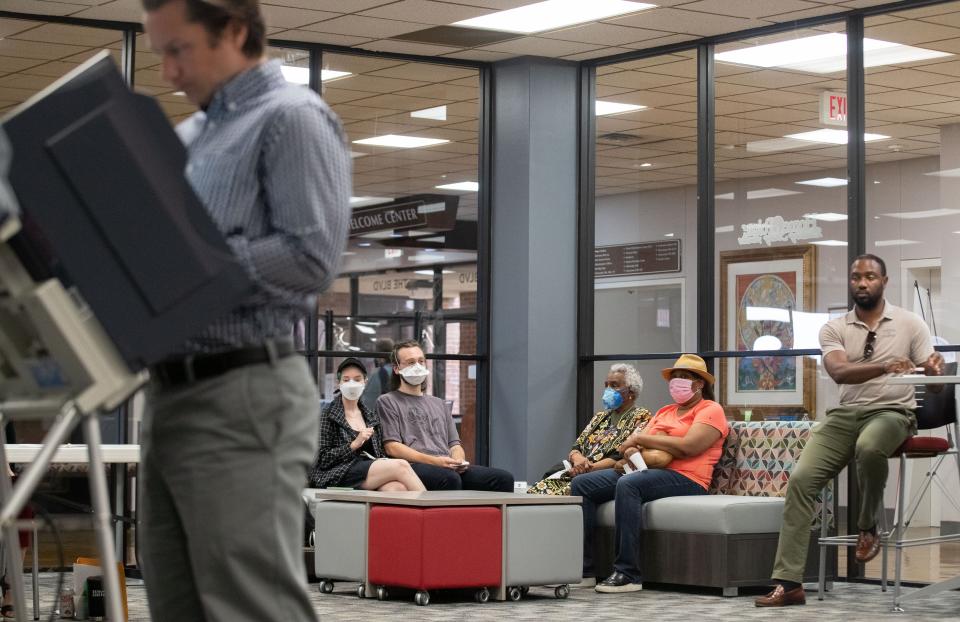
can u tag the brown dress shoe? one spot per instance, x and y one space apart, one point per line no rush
868 545
781 597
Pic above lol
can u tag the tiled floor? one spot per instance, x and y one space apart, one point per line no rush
848 601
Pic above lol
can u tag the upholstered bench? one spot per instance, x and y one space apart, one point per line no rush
728 538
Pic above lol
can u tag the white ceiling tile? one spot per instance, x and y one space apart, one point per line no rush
603 34
361 26
309 36
287 17
752 9
118 10
40 8
10 27
426 12
678 21
71 35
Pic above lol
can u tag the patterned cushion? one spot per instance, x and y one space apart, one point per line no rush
758 457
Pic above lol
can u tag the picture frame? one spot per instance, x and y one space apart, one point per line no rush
759 290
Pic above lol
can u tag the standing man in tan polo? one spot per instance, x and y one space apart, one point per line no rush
860 351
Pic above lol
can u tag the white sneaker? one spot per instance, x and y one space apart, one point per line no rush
587 582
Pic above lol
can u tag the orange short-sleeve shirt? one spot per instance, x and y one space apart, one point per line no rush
698 468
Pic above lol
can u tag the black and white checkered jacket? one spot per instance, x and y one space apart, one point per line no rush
334 456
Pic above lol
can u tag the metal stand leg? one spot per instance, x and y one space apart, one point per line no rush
822 574
14 561
898 537
103 518
35 571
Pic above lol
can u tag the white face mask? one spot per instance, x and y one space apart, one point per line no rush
415 374
351 390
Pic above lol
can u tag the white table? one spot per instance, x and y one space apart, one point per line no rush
921 379
114 455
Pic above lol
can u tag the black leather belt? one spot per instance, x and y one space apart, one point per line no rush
190 369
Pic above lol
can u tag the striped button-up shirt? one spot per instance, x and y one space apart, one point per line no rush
270 162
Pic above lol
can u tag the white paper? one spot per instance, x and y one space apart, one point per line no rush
561 472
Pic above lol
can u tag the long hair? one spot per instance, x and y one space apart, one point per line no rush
395 359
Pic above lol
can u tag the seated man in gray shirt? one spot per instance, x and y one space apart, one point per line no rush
417 428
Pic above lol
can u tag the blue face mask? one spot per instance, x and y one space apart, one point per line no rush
612 399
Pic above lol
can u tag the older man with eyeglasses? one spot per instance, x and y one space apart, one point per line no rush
860 351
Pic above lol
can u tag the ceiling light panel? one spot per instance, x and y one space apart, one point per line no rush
824 182
605 108
552 14
930 213
438 113
833 137
301 75
826 216
826 53
401 142
463 186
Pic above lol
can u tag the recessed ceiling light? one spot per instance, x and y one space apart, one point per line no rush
826 216
668 235
824 182
894 242
430 272
830 243
605 108
950 172
646 165
357 154
552 14
725 229
463 186
363 201
401 142
929 213
833 137
180 93
364 244
437 113
726 196
421 257
348 253
366 330
769 193
301 75
826 53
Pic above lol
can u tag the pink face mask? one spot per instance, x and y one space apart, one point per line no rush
681 390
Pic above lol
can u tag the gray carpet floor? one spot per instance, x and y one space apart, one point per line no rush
848 601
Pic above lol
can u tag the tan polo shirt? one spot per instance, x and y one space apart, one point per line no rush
900 334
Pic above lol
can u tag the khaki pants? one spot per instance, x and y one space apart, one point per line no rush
224 463
868 435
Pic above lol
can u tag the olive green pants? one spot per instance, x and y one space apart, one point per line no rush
868 435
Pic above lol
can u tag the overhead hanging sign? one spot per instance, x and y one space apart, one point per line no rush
433 213
639 258
833 108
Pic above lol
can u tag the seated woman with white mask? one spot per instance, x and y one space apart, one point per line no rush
351 452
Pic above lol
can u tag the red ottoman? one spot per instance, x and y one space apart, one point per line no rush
434 548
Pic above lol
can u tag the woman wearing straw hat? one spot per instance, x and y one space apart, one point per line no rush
691 430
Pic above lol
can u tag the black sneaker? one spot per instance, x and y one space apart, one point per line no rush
618 582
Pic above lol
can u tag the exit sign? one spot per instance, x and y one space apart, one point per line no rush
833 108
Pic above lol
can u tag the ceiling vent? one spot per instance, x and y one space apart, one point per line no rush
620 139
454 36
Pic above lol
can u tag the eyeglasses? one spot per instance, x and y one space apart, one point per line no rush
868 347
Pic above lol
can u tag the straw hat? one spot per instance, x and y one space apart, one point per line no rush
691 363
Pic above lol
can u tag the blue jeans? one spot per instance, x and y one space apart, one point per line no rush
630 492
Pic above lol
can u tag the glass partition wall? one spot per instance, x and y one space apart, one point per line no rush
772 196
